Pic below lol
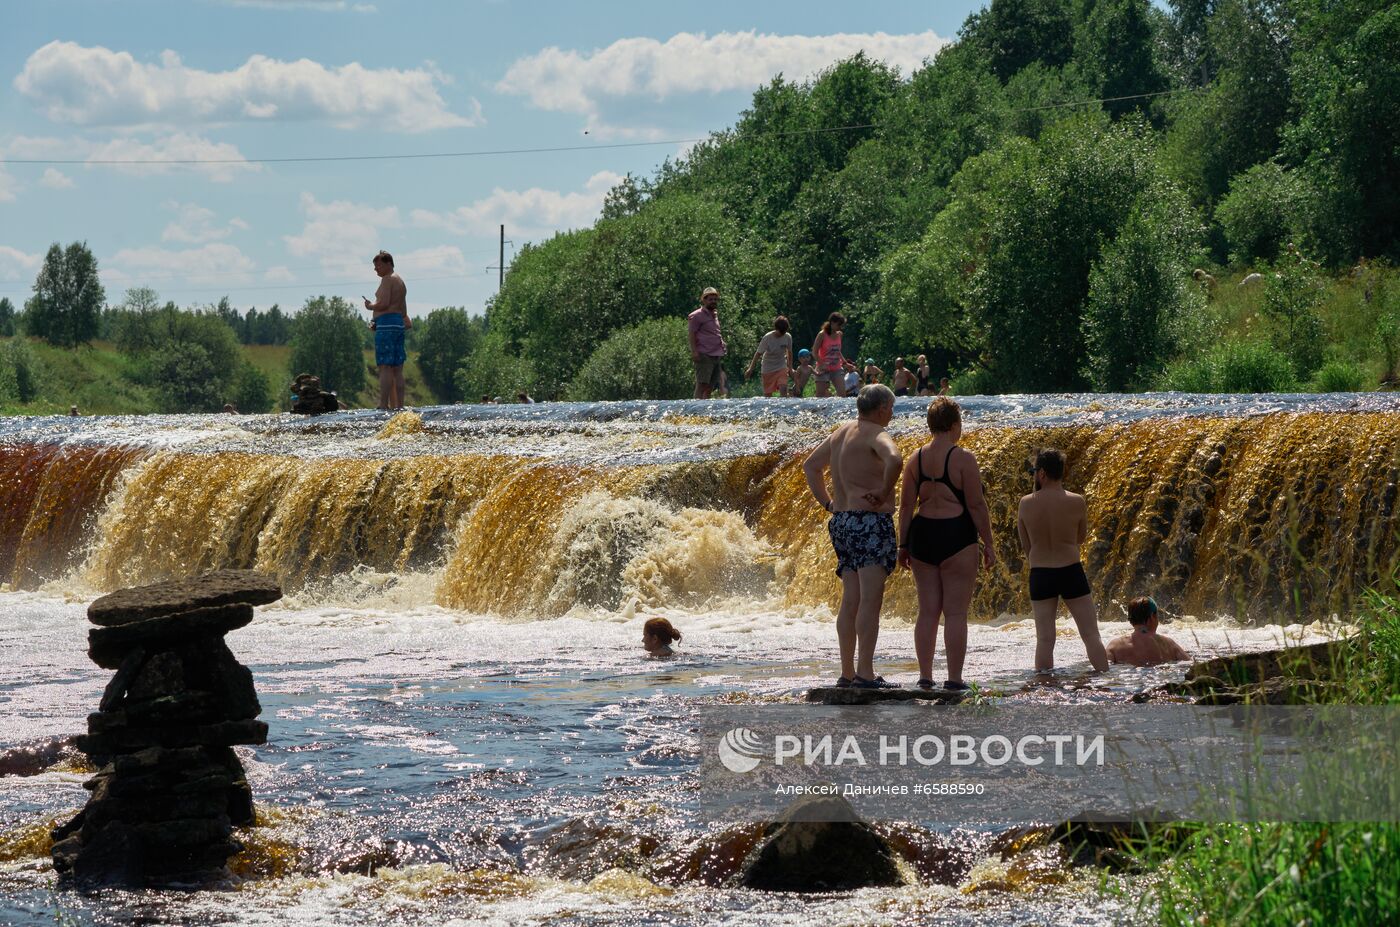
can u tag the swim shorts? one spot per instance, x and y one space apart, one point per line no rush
388 346
863 539
774 382
1066 582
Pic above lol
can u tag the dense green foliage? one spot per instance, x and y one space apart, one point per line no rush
650 360
250 390
443 340
66 307
966 212
328 342
7 317
19 372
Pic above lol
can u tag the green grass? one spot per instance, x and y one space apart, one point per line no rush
97 378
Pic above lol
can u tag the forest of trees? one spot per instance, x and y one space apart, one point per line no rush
979 214
1073 195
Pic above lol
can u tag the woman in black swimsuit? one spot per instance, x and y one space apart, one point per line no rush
942 513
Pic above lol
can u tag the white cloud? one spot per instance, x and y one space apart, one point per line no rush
342 235
279 274
437 261
97 86
571 81
528 213
55 179
194 224
17 265
175 146
214 264
8 186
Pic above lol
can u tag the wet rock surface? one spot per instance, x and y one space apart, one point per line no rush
169 788
831 695
1286 676
820 845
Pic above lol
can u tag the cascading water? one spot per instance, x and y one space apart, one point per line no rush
463 727
1242 509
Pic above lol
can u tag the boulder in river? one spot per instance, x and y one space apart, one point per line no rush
820 845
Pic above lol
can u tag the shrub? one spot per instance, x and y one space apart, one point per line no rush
650 360
1339 377
1233 367
183 378
19 372
493 370
1291 296
1259 213
975 381
251 391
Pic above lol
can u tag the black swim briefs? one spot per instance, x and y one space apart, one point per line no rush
1066 582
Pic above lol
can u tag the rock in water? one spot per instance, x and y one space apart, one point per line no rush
170 789
821 846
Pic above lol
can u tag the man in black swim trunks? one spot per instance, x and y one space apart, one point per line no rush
864 465
1053 523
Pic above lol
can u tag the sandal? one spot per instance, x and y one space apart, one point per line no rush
924 683
843 683
951 686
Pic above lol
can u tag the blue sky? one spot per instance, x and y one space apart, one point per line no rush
250 79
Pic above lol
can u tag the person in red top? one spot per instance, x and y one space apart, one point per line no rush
830 361
707 347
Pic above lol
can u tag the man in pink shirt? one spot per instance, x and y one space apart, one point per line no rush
707 348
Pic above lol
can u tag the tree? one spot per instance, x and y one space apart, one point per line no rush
650 360
326 342
444 341
1346 139
1012 34
250 390
7 317
183 377
1263 210
66 306
1113 50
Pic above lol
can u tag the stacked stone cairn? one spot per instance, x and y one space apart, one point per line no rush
310 398
169 788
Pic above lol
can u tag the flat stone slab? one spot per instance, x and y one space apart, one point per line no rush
109 647
222 587
831 695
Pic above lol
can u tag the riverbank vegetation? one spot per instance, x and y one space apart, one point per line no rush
1340 873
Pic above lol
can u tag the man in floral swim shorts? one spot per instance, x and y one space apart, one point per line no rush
864 465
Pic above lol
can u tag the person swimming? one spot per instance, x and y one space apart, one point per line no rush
657 636
1144 646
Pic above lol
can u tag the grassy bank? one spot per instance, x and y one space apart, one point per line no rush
100 380
1345 873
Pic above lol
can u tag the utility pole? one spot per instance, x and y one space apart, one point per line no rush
501 280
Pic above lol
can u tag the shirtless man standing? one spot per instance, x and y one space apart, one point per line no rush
1144 646
390 320
864 465
903 379
1053 524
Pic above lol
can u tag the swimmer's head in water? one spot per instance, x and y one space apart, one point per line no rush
1141 611
658 634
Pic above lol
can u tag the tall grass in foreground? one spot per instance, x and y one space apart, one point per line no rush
1291 874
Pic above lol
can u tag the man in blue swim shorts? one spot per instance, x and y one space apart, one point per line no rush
864 465
390 311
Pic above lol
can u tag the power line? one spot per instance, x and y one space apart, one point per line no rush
278 286
492 152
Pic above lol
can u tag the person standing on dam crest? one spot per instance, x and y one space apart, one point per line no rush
1052 524
707 347
864 465
390 320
